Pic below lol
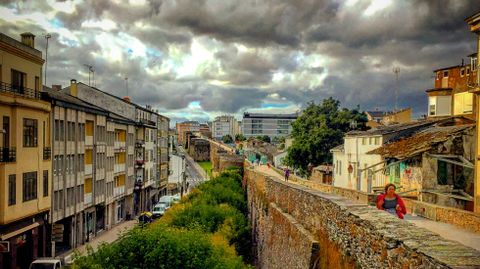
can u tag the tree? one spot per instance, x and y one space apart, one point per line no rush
240 137
227 139
320 128
264 138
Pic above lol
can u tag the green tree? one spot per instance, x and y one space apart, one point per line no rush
320 128
240 137
264 138
227 139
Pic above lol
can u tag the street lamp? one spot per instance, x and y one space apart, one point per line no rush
47 36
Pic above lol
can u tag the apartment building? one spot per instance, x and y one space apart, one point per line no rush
183 128
25 154
225 125
92 182
273 125
163 151
451 94
143 154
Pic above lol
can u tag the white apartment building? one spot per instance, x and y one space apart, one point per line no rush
273 125
225 125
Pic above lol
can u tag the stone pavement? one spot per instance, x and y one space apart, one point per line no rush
105 237
445 230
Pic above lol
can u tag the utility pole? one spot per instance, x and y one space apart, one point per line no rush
126 85
396 70
47 36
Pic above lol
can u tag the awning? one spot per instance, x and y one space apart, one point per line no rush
20 231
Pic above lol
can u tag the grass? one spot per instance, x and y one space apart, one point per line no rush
207 166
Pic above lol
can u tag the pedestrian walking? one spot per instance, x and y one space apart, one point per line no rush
287 174
268 165
391 202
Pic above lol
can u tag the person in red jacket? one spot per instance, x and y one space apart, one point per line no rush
391 202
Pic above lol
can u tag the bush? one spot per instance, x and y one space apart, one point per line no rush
206 230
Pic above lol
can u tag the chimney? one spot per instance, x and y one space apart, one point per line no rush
73 87
126 99
28 39
57 87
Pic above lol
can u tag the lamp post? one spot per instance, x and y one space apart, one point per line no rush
47 36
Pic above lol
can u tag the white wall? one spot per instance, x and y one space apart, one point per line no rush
177 168
354 154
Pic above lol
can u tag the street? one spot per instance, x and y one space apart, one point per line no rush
195 173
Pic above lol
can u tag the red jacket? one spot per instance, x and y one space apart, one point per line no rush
400 212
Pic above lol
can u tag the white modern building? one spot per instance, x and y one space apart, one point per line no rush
273 125
225 125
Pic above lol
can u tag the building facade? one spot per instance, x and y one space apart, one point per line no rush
272 125
225 125
474 23
163 151
183 128
25 154
451 94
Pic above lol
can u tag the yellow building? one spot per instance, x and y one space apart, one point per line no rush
25 153
474 23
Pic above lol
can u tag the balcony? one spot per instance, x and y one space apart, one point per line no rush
87 198
119 167
148 122
88 169
20 90
119 146
118 191
88 140
8 155
47 153
139 162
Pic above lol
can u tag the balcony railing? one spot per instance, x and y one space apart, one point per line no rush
119 145
117 191
47 153
19 90
8 155
119 167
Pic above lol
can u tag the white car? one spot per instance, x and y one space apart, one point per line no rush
176 198
167 200
158 210
46 263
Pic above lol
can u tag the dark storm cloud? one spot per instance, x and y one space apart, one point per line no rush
359 51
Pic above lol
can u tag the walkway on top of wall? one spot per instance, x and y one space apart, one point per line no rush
445 230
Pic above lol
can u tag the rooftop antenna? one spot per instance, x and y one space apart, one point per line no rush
396 70
91 70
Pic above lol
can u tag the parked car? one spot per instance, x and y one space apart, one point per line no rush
46 263
158 210
166 200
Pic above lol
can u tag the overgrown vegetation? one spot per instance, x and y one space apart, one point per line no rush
208 229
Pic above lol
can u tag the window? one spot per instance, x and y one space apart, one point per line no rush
377 140
19 81
462 72
364 140
370 140
474 63
29 186
6 131
445 73
37 83
30 130
12 189
439 75
45 183
468 70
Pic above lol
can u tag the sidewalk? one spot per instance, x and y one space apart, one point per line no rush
445 230
105 237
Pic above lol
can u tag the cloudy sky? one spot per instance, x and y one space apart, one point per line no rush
201 58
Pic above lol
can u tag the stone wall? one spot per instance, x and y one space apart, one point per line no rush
199 149
298 227
228 160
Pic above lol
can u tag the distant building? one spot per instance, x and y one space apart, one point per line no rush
183 128
225 125
205 130
273 125
378 118
451 94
